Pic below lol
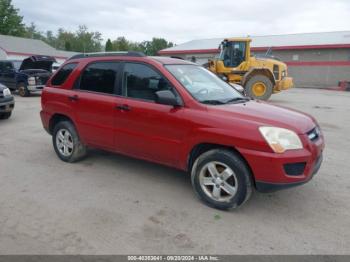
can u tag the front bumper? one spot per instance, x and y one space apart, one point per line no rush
265 187
7 104
284 84
269 169
35 88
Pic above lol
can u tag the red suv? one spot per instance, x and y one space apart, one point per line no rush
181 115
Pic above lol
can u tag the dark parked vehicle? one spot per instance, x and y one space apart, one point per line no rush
29 75
7 102
179 114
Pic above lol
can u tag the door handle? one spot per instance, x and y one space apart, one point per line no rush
73 98
123 107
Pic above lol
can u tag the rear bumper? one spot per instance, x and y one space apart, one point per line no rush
273 171
7 104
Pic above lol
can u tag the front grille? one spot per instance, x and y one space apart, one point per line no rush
276 72
314 134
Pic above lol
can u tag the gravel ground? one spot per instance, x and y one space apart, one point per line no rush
111 204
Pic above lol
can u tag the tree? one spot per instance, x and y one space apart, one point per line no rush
80 41
11 23
153 47
67 46
86 41
32 32
109 46
51 39
121 44
62 38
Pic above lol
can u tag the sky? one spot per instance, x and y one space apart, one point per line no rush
184 20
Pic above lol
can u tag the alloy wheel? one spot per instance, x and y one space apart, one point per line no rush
218 181
64 142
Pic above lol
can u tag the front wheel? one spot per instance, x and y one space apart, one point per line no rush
221 179
66 142
259 87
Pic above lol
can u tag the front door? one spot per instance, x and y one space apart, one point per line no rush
144 128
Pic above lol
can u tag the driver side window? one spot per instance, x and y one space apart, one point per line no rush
142 82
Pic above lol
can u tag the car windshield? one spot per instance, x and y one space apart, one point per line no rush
203 85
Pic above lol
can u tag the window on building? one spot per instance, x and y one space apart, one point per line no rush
63 74
100 77
142 82
295 57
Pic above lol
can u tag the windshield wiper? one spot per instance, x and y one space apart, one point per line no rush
237 99
213 102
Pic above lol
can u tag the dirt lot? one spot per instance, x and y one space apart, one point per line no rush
110 204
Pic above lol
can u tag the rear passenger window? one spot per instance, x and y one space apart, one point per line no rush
142 82
100 77
63 74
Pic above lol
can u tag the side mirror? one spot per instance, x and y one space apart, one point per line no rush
166 97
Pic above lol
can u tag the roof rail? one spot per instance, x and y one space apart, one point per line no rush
103 54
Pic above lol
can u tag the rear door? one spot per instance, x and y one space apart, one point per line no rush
93 100
146 129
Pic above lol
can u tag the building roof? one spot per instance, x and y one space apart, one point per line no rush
340 39
25 46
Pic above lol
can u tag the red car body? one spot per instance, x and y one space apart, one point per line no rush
168 135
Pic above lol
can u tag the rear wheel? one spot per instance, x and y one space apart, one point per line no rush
23 90
221 179
259 87
5 115
66 142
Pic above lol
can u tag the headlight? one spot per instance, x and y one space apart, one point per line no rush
6 92
31 81
280 139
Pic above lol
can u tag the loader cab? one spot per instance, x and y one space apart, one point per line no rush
233 52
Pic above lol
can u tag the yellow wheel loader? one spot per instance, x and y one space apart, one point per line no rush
259 76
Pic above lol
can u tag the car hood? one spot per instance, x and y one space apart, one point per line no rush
264 114
37 62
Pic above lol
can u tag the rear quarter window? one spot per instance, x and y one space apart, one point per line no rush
62 75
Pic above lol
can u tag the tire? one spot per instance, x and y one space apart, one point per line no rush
23 90
5 115
226 162
66 142
256 83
